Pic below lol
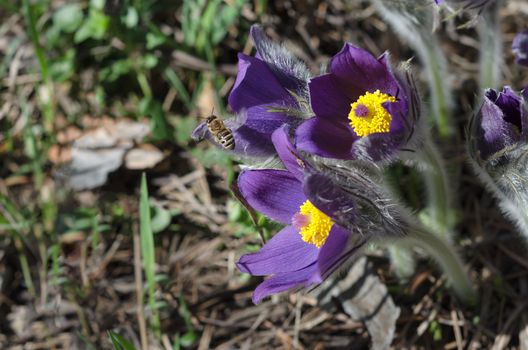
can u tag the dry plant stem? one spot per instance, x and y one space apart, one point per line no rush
491 51
26 272
438 192
444 254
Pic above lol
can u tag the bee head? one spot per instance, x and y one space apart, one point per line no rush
210 118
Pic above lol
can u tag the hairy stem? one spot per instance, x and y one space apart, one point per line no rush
434 62
445 255
438 192
402 261
490 47
413 22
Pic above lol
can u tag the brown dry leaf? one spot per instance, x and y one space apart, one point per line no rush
16 180
143 157
418 280
206 101
98 138
72 237
69 134
59 155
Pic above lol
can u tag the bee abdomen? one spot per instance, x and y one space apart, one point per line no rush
225 139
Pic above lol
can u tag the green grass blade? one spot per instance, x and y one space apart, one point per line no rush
120 343
34 35
47 96
148 251
175 82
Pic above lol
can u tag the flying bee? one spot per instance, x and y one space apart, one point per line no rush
222 134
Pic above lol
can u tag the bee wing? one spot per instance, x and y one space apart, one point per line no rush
200 132
238 120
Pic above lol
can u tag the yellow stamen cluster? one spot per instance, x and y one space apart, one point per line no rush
367 115
318 227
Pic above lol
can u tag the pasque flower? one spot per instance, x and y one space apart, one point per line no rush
330 212
498 146
500 124
270 90
520 47
363 109
312 245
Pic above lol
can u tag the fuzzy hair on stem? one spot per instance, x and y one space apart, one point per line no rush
491 50
281 60
505 175
502 163
377 217
414 22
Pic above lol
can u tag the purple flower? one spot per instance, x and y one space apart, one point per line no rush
501 122
270 90
498 146
363 110
520 47
312 245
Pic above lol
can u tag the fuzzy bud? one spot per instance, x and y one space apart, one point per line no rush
498 149
520 48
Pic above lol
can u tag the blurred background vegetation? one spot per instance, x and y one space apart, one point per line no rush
96 255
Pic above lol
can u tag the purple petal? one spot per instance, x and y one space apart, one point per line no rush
326 139
331 98
363 72
291 73
524 114
251 142
292 159
509 102
398 111
284 281
380 146
200 132
256 85
248 141
495 133
276 193
331 199
520 48
406 111
255 93
353 72
332 250
285 252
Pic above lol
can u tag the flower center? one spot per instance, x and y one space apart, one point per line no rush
314 225
368 116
